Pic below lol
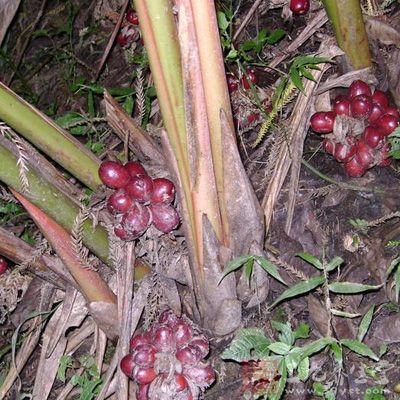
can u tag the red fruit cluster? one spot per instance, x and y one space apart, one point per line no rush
233 82
128 34
138 199
167 361
368 147
3 265
299 7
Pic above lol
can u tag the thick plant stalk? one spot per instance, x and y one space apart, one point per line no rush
348 24
53 202
41 131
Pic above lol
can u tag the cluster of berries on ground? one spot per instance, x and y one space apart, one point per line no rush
357 128
168 360
138 200
129 32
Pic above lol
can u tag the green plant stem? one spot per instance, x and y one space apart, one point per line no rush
52 202
40 130
342 185
348 24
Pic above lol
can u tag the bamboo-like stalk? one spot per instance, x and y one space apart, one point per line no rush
348 24
41 131
53 202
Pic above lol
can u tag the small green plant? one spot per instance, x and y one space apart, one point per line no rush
88 381
394 270
394 140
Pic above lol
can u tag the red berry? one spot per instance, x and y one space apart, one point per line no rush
122 39
143 376
341 105
140 188
380 98
119 202
299 7
139 339
359 87
392 111
165 217
232 83
354 169
123 234
329 146
145 355
136 220
322 121
202 344
132 17
375 113
388 123
364 154
201 374
163 191
113 174
127 364
344 153
164 339
361 106
167 317
182 333
3 265
250 74
373 136
180 383
134 168
188 355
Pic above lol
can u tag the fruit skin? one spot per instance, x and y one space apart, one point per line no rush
250 74
119 202
380 98
232 83
329 146
140 188
323 121
113 174
373 136
376 112
132 17
341 105
139 339
361 106
202 375
163 191
127 365
165 217
135 168
136 220
354 169
3 265
344 153
364 154
388 123
359 87
392 111
143 376
299 7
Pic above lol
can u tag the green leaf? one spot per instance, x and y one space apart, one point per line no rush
275 36
279 348
281 383
351 288
301 332
316 346
365 324
397 283
89 389
233 54
128 104
334 263
394 265
296 79
269 268
65 363
300 288
330 395
286 334
337 353
293 359
344 314
311 260
248 344
359 348
234 265
319 389
303 370
359 223
223 23
248 269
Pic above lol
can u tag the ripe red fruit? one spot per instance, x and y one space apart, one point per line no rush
182 333
375 113
180 383
140 188
143 376
392 111
136 220
361 106
388 123
132 17
299 7
232 83
354 169
165 217
359 87
380 98
164 338
145 355
373 136
250 74
201 374
344 153
364 154
341 105
188 355
126 36
142 392
135 168
113 174
163 191
323 121
139 339
167 317
3 265
119 202
202 344
123 234
329 146
127 365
